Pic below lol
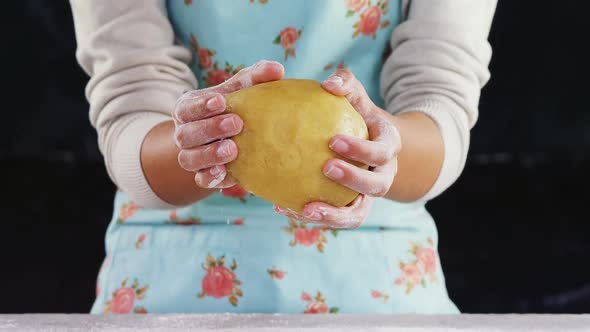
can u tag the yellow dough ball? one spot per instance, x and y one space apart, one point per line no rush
283 146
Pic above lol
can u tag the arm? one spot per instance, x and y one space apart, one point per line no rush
134 85
420 158
432 83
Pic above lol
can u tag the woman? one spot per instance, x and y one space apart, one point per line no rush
177 243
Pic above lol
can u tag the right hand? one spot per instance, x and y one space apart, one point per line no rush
203 129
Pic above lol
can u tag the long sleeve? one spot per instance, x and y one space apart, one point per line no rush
438 66
136 75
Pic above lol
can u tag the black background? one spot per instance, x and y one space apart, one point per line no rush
514 229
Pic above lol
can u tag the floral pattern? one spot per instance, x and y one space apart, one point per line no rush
287 39
239 222
235 192
213 73
188 2
420 270
276 273
174 219
379 295
262 2
140 239
219 281
317 305
124 298
329 66
308 236
369 19
127 211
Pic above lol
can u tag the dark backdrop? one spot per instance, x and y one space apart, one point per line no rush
513 229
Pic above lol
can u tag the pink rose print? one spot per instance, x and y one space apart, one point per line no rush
427 257
213 75
379 295
370 19
188 2
127 211
203 54
355 6
236 192
262 2
205 60
276 273
411 273
220 282
308 236
139 242
287 39
124 298
416 271
305 297
183 222
329 66
316 308
317 305
239 222
216 77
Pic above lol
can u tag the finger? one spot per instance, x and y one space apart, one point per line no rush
351 216
344 83
206 156
260 72
372 153
288 213
198 104
214 177
366 182
204 131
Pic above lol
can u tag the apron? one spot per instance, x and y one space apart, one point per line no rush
230 252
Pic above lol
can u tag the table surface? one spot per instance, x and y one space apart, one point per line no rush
291 323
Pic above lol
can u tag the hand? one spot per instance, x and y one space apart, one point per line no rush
203 130
379 152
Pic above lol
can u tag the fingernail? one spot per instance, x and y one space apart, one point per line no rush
215 170
258 67
224 150
214 103
339 145
334 172
312 215
335 80
227 124
215 182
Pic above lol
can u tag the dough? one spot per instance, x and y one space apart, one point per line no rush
284 144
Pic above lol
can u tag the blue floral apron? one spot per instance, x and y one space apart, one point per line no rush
230 252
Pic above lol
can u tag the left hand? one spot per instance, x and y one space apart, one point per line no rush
379 152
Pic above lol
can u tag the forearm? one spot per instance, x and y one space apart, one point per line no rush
420 159
159 161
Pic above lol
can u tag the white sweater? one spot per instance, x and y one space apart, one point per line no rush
438 67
